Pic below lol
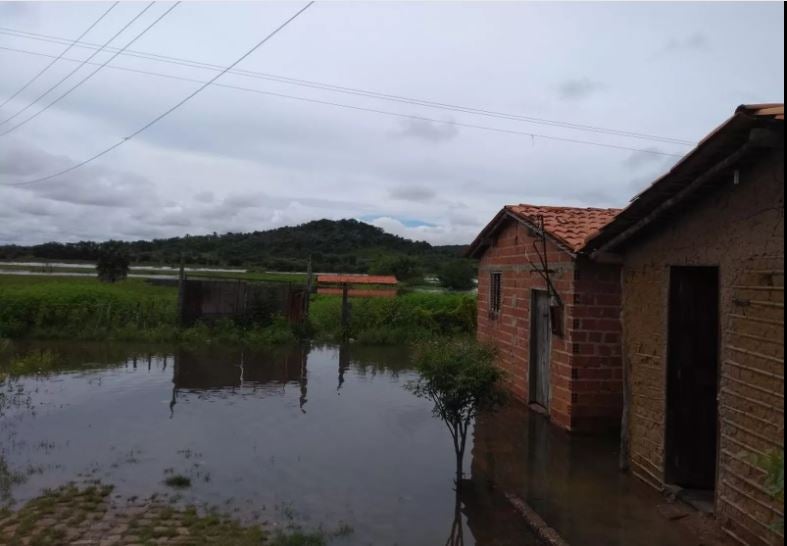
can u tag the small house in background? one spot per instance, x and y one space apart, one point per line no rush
553 314
703 319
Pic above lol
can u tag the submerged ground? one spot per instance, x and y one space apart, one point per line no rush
322 439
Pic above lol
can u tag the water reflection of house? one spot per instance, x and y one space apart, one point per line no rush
572 481
553 314
703 284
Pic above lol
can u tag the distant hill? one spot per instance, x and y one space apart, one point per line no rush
343 246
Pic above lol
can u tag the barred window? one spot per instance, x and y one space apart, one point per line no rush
495 294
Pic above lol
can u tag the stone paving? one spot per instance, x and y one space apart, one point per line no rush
90 517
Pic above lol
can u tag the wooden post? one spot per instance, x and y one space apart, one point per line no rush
309 287
181 290
345 312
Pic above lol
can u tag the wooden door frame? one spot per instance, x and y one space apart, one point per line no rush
531 398
670 268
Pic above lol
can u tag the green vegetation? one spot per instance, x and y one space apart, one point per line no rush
81 514
407 318
457 275
178 481
461 380
347 246
112 262
773 465
133 310
81 308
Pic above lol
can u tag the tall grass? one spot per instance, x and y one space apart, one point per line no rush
407 318
81 308
48 307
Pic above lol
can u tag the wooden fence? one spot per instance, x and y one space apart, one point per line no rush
241 301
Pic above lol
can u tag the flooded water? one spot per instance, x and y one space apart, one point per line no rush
325 436
573 482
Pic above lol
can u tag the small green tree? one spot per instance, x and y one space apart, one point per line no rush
404 268
773 465
460 378
457 275
113 262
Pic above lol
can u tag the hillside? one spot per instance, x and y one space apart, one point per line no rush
344 245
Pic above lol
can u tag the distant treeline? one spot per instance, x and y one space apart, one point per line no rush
343 246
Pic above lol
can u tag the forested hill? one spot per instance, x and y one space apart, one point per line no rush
344 245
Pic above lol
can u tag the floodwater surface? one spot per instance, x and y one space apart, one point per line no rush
325 437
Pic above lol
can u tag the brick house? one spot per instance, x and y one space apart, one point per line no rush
557 327
702 253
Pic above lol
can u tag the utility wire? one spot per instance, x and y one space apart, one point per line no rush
381 112
66 50
102 65
171 109
96 52
377 111
367 93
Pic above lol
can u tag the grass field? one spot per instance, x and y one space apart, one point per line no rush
44 306
242 275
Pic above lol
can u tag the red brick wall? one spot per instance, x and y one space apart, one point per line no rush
596 331
585 363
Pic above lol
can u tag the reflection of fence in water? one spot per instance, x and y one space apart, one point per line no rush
253 302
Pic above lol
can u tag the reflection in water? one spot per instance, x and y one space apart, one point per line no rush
239 370
573 482
255 430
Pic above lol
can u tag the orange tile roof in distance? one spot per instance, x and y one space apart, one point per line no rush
571 226
357 279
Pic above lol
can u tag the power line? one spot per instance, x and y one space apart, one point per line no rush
102 65
45 93
174 107
366 93
66 50
377 111
374 110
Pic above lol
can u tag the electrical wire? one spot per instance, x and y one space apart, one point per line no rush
45 93
102 65
366 93
171 109
51 64
382 112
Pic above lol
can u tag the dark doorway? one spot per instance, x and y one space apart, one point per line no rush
540 346
692 377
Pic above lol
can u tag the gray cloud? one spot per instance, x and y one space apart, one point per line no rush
239 161
428 130
578 88
412 193
693 42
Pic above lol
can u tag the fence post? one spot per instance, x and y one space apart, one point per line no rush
345 312
181 290
309 286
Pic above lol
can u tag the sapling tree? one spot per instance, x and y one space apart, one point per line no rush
113 262
461 380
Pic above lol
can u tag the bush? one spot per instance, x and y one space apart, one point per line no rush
395 320
458 275
113 262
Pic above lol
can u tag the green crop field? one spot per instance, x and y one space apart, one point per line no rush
45 306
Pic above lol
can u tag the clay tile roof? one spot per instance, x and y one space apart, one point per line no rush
357 279
571 226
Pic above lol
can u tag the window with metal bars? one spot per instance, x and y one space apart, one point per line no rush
495 294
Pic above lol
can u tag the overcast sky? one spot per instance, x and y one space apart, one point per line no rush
238 160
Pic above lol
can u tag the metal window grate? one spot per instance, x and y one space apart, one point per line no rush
495 294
